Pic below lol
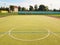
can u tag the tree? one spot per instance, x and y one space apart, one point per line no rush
31 8
35 8
7 9
59 9
11 7
19 8
42 8
23 9
46 8
54 10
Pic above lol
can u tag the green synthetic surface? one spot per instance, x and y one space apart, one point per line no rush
29 27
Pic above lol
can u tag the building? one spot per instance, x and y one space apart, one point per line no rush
10 9
13 8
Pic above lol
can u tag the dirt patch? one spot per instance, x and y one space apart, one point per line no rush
55 16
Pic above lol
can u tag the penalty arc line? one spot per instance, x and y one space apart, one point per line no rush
26 39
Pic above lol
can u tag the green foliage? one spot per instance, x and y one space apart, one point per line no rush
11 7
31 8
43 8
19 8
23 9
35 8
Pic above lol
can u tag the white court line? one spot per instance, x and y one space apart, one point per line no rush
56 25
55 34
50 30
5 33
26 39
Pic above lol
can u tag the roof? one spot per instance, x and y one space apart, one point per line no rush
15 7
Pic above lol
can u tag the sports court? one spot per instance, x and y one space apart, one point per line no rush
29 30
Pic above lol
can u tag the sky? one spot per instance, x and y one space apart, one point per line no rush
52 4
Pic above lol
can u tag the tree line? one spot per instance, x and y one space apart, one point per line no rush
36 8
31 8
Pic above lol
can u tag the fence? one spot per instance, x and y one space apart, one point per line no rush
38 12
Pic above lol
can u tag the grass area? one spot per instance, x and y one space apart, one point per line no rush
29 30
7 14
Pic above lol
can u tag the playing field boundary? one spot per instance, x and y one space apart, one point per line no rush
11 36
